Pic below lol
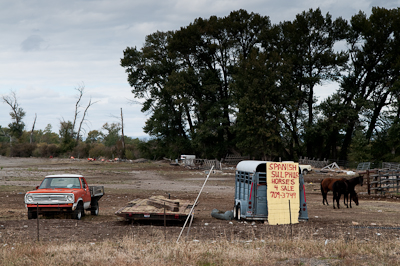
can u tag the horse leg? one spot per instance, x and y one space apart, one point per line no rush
346 199
325 199
334 198
351 197
323 195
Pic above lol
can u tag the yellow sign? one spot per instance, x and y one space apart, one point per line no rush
282 189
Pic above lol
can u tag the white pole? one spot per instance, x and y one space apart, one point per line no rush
191 210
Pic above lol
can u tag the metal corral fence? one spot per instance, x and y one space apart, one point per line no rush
202 164
382 181
313 162
234 159
390 166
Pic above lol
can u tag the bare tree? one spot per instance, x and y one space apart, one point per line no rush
17 113
80 89
83 119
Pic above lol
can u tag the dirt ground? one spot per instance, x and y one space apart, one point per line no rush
375 219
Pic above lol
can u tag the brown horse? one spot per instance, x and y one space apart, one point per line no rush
340 187
327 185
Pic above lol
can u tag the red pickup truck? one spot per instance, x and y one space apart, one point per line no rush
64 193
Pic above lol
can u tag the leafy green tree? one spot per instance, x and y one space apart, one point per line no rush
148 71
360 149
111 137
260 105
374 69
5 135
185 78
307 48
67 136
94 136
46 135
327 130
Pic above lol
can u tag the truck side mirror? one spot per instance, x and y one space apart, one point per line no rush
37 187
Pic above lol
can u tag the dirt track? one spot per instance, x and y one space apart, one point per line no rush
376 218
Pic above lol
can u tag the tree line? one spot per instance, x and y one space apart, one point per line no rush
107 142
239 84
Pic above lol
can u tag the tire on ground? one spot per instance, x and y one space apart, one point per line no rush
32 214
95 208
79 212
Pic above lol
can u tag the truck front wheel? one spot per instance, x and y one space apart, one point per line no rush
32 214
78 213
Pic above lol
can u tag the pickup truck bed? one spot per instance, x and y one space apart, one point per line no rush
96 191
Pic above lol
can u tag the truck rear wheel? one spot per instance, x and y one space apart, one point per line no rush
95 208
78 213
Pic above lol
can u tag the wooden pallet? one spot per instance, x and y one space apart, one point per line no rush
156 208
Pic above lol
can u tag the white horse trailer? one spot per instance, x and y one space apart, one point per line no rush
251 192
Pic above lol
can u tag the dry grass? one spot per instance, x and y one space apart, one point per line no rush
153 250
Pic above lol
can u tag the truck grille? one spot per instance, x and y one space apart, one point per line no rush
49 198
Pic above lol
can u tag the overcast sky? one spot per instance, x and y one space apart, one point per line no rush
49 48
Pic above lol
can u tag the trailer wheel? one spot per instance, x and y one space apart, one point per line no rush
32 214
236 212
95 208
78 213
305 172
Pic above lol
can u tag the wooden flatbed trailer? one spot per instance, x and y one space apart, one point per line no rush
156 208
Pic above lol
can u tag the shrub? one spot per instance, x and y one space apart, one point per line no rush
97 150
4 149
22 149
81 151
46 150
132 152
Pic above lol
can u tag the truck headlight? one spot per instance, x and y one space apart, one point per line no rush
29 198
70 197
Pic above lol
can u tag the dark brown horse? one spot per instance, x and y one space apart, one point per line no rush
327 185
343 187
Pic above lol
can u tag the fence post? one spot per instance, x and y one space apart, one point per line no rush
291 226
37 218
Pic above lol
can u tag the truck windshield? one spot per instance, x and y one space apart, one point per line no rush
61 182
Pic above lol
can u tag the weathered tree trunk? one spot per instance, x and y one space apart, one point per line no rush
83 119
122 137
33 128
